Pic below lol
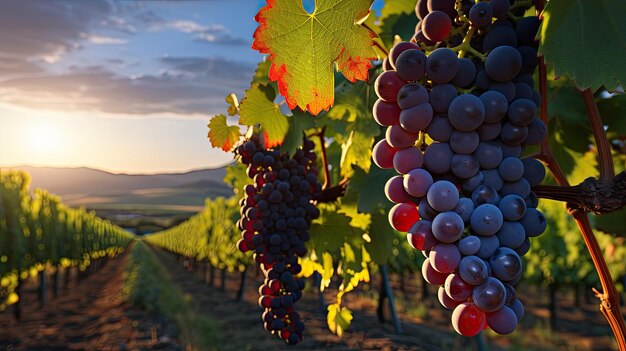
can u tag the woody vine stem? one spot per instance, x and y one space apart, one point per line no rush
609 298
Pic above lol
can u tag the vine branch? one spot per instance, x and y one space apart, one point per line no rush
329 193
607 170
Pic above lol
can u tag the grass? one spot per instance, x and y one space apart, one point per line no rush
149 286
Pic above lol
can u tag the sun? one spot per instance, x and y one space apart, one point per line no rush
44 138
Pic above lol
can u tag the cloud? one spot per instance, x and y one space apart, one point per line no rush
212 33
46 29
103 40
190 86
12 66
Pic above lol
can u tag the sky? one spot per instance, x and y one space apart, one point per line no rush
124 86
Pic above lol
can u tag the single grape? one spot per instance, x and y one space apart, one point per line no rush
520 187
425 211
480 14
420 235
490 295
506 264
518 309
466 112
443 196
386 113
488 154
468 320
431 275
492 179
534 222
466 73
464 142
436 26
457 289
473 270
387 86
464 208
485 194
503 63
416 118
444 258
537 132
469 245
440 129
407 159
496 106
499 36
488 246
417 182
446 6
441 95
402 216
445 300
399 138
489 131
511 169
505 88
442 65
383 154
437 158
398 49
394 190
411 95
469 185
411 65
522 112
486 219
502 321
534 171
448 227
421 9
464 166
526 30
513 207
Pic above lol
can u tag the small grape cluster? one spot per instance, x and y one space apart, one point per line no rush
464 195
276 214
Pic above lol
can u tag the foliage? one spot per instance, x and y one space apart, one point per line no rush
39 230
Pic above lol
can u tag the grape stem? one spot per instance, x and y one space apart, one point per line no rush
329 193
609 298
466 47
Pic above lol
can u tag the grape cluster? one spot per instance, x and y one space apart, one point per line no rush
276 214
456 131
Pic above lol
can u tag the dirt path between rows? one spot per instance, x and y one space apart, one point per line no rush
87 316
239 323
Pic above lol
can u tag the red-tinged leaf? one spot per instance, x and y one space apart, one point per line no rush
305 48
221 134
258 107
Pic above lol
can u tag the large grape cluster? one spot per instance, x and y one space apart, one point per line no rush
276 213
456 131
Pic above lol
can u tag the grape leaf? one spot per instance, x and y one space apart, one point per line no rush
222 135
356 151
338 318
233 104
381 235
613 110
298 123
397 18
258 107
586 41
304 48
330 229
367 190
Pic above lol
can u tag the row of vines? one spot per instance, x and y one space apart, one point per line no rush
38 232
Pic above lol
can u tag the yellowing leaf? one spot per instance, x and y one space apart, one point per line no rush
222 135
305 48
233 104
258 107
338 318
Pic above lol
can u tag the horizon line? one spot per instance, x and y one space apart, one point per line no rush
119 172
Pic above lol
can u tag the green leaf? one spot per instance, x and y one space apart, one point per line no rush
261 73
613 110
586 41
328 232
397 18
298 123
381 237
233 104
258 107
222 135
367 190
305 48
613 223
236 177
338 318
356 151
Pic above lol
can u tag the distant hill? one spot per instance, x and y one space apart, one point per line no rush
100 190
